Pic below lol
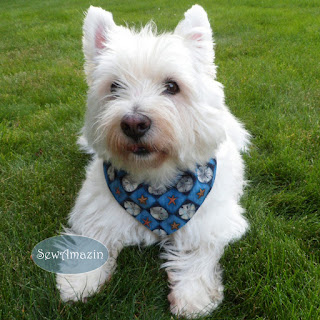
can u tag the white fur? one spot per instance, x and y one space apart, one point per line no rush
192 127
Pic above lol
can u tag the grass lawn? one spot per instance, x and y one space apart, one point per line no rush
268 53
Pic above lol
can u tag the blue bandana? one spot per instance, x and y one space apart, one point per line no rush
161 209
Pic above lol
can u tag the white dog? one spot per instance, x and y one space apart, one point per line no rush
161 133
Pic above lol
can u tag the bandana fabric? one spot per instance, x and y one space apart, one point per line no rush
161 209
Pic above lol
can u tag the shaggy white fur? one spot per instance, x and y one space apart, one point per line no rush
127 73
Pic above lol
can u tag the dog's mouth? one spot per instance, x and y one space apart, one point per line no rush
145 151
140 150
141 155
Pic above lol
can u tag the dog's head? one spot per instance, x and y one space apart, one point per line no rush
153 103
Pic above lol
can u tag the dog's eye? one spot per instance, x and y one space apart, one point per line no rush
171 87
115 86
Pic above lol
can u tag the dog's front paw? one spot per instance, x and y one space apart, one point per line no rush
193 301
78 287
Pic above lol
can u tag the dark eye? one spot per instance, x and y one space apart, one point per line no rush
115 86
171 87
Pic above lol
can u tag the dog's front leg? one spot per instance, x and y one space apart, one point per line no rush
78 287
97 215
195 279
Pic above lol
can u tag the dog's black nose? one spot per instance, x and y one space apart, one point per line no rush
135 125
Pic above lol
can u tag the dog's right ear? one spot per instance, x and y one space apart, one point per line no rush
98 24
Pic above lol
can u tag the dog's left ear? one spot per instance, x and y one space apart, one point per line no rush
197 33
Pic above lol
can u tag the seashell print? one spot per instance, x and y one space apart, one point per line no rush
159 213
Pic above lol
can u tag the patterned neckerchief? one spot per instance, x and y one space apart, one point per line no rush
161 209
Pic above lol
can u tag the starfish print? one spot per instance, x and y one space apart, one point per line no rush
175 226
201 193
146 222
172 200
118 191
143 199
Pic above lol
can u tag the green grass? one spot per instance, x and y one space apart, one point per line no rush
268 54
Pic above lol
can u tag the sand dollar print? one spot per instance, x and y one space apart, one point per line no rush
157 190
128 184
132 208
159 213
187 211
185 184
204 174
160 232
110 173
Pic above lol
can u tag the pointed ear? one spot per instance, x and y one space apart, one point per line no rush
98 24
196 30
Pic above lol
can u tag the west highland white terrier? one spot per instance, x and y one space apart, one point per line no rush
167 166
